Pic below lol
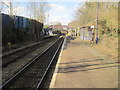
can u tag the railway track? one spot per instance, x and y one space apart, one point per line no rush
33 74
14 55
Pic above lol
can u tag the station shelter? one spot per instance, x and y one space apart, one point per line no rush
86 33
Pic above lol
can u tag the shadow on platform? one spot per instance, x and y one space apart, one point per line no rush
85 67
83 61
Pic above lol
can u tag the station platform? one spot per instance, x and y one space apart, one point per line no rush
82 66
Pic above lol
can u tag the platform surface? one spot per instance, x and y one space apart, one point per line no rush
82 66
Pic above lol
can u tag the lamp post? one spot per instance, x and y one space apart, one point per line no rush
97 14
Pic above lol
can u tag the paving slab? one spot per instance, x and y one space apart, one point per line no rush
81 66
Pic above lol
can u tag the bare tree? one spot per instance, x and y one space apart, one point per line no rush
9 7
43 7
39 9
1 6
34 9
